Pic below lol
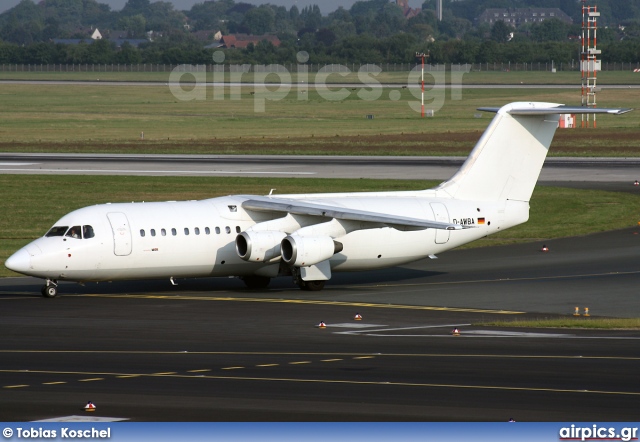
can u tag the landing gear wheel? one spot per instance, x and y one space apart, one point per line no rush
311 286
49 291
256 282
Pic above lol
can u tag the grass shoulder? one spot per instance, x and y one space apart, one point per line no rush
163 74
579 322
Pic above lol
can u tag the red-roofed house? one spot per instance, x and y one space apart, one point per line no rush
241 41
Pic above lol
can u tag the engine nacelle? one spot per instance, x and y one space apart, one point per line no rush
259 246
301 251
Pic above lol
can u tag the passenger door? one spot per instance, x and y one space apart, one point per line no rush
441 215
121 233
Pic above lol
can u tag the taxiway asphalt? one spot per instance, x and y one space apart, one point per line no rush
210 350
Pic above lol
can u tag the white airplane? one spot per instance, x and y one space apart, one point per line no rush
309 236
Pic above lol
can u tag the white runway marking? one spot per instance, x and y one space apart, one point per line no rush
384 330
18 164
355 325
87 418
122 171
384 333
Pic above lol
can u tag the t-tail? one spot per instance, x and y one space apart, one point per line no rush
505 163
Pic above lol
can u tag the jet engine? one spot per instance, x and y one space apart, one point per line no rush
301 251
259 246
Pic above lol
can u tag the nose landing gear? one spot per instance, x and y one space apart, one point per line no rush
50 289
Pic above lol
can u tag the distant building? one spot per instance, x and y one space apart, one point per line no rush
152 35
241 41
135 42
207 36
406 10
518 16
86 33
119 34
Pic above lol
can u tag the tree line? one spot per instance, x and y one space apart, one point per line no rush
358 49
372 31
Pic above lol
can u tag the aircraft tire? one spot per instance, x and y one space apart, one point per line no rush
313 286
49 291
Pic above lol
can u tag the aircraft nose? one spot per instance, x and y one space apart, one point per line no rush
19 262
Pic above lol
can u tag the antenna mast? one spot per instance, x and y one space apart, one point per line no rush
589 63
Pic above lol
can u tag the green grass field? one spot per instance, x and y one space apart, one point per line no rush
110 119
572 323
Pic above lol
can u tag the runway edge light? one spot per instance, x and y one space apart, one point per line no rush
322 325
90 406
456 332
358 317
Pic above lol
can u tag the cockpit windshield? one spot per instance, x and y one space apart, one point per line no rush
74 232
87 232
77 232
57 231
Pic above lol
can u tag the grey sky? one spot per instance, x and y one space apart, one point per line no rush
325 5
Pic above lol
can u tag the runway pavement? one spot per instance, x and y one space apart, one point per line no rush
598 170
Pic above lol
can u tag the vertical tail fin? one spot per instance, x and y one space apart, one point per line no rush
506 161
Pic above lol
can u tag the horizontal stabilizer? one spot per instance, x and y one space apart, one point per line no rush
558 110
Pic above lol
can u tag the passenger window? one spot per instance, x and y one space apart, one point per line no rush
57 231
163 232
237 229
74 232
142 233
174 232
227 229
186 231
87 232
218 230
153 232
207 230
197 230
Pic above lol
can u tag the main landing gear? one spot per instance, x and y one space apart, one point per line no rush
311 286
50 289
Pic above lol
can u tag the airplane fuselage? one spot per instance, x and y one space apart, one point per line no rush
198 238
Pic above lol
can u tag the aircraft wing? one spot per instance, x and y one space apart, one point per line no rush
298 207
